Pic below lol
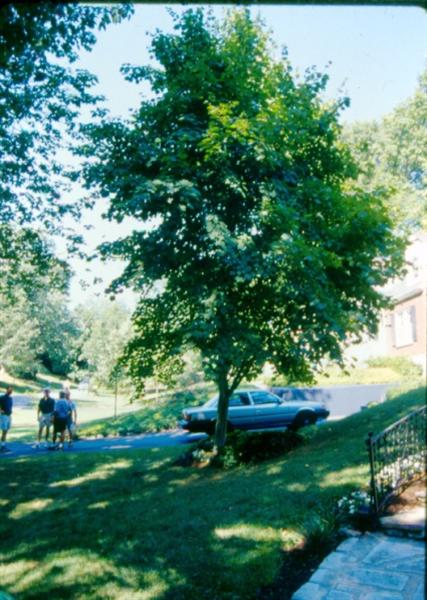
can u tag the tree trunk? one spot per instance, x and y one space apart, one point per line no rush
221 422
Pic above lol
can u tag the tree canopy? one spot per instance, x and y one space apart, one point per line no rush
259 245
392 153
41 95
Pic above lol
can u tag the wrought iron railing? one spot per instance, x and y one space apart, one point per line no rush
397 457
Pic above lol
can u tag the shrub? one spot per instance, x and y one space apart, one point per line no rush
403 365
186 397
243 448
321 529
256 447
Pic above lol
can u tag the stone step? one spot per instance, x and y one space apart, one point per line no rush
410 523
369 567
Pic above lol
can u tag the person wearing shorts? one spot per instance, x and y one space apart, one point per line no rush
60 420
72 417
6 404
45 410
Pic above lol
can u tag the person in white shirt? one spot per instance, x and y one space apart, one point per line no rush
72 417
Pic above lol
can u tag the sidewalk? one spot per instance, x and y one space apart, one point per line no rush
369 567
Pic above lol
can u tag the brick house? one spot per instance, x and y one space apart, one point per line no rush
402 330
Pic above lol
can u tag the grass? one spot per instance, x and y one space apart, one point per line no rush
95 411
130 525
380 370
158 414
359 376
366 376
90 406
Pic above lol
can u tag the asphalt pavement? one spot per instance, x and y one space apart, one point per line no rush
341 400
147 440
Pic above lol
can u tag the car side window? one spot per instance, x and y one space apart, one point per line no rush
239 400
263 398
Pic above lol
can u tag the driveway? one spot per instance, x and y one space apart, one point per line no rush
148 440
341 400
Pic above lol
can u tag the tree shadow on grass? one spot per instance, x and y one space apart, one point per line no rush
129 525
119 524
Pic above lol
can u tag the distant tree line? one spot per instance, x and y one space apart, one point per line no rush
39 332
42 93
392 155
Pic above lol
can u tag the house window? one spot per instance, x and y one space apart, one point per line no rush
405 332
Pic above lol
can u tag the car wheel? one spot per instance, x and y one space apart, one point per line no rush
302 419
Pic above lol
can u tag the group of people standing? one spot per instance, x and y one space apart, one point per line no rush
60 414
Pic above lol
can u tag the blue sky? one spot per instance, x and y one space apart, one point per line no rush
376 56
377 52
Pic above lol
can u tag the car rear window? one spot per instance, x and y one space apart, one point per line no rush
239 399
263 398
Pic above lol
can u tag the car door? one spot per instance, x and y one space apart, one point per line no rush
239 410
267 410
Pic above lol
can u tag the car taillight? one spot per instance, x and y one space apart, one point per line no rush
186 416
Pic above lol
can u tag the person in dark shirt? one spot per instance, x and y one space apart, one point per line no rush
6 404
45 415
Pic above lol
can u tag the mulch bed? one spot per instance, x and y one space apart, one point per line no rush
408 499
297 567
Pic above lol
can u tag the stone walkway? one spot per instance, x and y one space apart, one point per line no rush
369 567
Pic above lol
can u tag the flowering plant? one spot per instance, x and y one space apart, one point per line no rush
355 510
353 504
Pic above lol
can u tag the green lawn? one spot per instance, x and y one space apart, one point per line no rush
130 525
90 405
359 376
156 414
95 411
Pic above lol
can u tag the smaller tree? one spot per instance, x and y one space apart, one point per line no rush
19 338
105 328
37 329
59 332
